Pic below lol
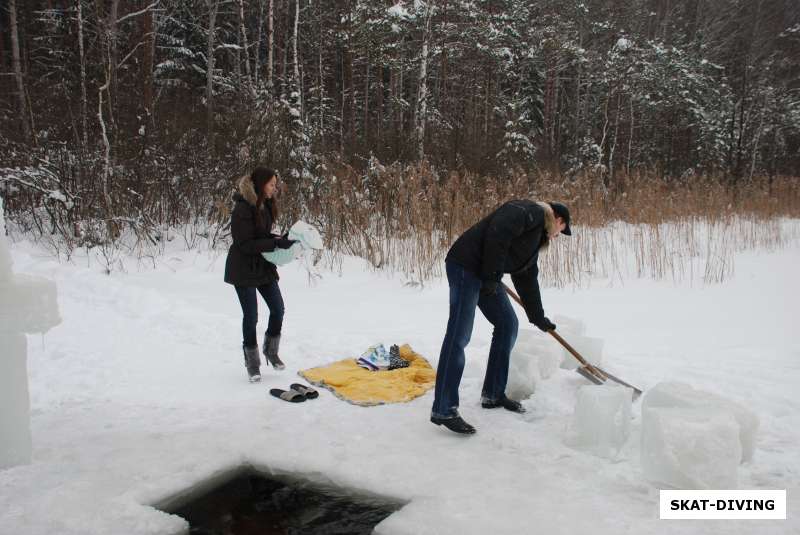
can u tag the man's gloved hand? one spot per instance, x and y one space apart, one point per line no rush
489 287
545 324
284 243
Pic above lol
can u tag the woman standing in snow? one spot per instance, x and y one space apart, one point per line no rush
254 212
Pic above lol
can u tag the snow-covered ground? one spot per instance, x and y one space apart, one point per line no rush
140 393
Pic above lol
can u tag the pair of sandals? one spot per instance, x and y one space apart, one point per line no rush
297 393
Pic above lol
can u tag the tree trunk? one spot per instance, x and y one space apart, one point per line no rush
2 49
422 91
630 137
107 164
299 149
212 20
245 46
550 92
285 54
84 98
348 91
17 66
147 62
111 91
270 45
295 56
259 38
379 104
366 103
321 78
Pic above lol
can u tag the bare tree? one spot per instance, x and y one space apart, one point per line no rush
147 62
213 6
270 45
82 57
17 66
245 48
107 22
422 89
295 57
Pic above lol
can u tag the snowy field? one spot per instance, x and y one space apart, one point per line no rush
140 394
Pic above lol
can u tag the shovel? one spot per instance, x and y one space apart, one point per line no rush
593 373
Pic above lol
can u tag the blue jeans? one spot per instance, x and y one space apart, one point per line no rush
271 293
465 296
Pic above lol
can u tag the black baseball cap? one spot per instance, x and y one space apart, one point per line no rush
563 212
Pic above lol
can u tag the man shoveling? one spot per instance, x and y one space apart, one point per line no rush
506 241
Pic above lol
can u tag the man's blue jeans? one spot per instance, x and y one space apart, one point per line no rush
464 298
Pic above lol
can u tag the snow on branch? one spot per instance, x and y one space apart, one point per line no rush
137 13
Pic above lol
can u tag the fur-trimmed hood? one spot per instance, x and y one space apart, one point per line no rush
549 222
248 191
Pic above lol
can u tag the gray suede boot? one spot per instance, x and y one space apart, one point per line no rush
271 346
252 361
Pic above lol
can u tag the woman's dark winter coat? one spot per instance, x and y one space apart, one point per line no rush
508 241
245 266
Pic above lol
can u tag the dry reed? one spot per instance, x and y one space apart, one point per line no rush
405 218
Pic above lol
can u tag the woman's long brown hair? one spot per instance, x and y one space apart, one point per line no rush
260 176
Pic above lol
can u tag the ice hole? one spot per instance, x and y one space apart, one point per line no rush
248 502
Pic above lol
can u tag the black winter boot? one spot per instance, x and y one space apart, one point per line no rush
271 347
253 363
503 401
455 424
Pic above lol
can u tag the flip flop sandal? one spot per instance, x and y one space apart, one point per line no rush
292 396
307 391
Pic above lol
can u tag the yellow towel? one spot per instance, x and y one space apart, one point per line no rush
352 383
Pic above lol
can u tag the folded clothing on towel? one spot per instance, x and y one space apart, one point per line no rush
375 358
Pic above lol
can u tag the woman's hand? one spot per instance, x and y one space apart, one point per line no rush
284 243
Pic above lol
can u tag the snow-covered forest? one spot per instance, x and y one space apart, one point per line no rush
132 117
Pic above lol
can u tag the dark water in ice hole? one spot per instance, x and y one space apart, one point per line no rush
254 505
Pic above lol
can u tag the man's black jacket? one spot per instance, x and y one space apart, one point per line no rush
508 241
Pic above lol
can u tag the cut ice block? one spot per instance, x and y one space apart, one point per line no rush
569 326
601 423
542 348
689 448
681 395
15 427
27 305
523 374
590 349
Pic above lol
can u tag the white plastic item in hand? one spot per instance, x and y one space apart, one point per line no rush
281 257
307 238
307 235
28 305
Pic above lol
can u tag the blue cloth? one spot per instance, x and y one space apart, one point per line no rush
465 297
248 298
